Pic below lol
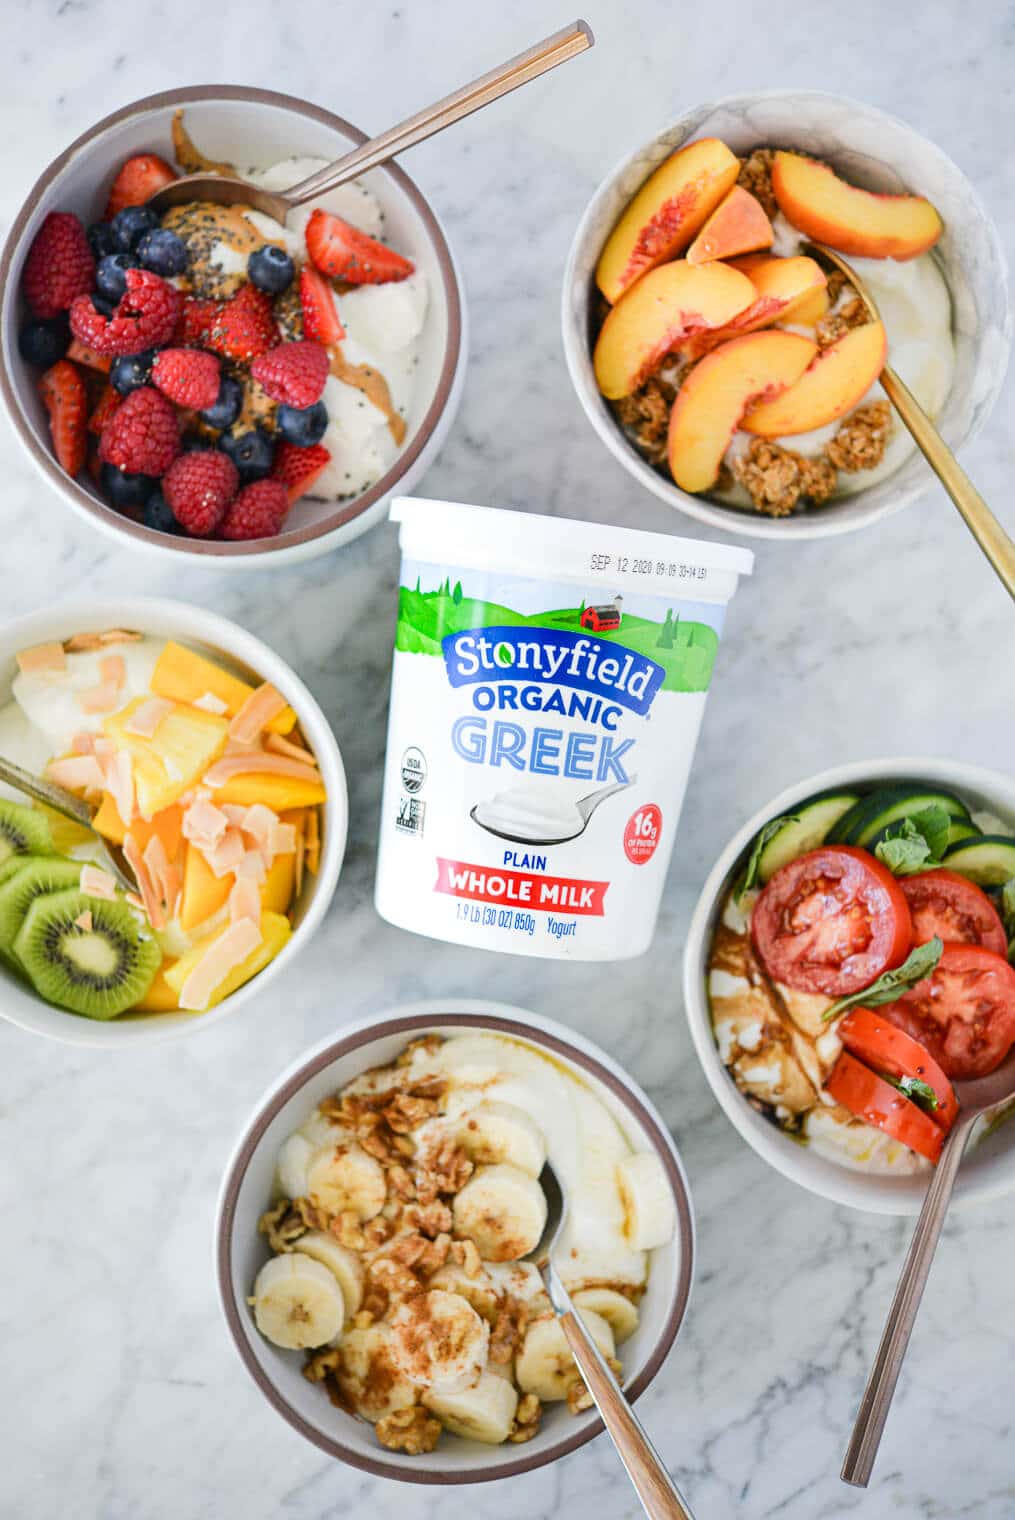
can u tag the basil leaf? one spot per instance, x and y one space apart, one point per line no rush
1008 915
921 1093
915 843
750 876
918 964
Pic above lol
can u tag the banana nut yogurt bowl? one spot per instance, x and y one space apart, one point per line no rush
726 368
215 790
209 381
373 1229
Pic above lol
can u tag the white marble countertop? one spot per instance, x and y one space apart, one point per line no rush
121 1395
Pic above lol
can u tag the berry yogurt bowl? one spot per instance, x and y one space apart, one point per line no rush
208 381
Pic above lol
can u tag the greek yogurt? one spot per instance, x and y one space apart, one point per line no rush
548 686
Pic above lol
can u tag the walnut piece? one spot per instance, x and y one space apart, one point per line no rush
646 416
321 1363
508 1329
405 1112
777 478
756 176
526 1420
578 1397
411 1430
444 1169
466 1254
860 442
430 1219
283 1225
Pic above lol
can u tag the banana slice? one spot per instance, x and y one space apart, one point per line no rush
616 1309
493 1132
484 1294
344 1177
368 1376
484 1412
345 1266
544 1366
503 1210
649 1210
293 1161
297 1302
439 1341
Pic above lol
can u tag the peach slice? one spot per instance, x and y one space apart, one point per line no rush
665 307
778 284
839 377
809 309
665 214
737 225
826 208
718 391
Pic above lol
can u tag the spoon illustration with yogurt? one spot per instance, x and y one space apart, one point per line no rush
536 815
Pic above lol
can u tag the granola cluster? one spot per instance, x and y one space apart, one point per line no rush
645 417
756 176
777 479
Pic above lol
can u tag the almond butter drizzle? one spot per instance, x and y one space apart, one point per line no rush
190 158
373 385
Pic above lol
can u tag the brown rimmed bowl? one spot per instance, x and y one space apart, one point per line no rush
240 1251
239 125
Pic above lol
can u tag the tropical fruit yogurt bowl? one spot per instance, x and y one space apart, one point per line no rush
218 805
308 368
731 370
374 1230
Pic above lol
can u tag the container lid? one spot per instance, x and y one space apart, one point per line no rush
530 542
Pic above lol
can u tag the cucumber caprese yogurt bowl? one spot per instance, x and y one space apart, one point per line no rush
853 962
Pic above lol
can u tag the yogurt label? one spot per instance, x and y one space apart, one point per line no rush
540 735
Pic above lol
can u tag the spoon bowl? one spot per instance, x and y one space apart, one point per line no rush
585 807
68 806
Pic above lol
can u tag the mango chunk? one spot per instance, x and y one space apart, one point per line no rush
275 931
280 793
204 893
185 676
187 742
160 997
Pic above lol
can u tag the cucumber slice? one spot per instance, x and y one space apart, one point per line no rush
962 828
988 860
814 819
887 805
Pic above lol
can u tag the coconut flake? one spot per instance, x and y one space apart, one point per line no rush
208 702
114 670
149 895
145 719
95 882
118 778
280 745
227 853
259 763
84 920
283 839
77 773
99 699
229 950
263 704
42 657
245 900
252 866
204 824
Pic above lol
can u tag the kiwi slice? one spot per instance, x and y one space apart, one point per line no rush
12 865
23 831
37 874
98 971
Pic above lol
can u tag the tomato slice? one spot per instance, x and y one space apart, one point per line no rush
877 1102
955 909
964 1012
876 1042
831 921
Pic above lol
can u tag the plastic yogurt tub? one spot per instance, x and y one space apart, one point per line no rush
548 686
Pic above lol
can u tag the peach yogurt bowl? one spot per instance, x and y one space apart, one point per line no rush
733 373
208 381
218 818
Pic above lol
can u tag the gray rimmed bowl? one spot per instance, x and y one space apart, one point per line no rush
246 1189
239 125
878 152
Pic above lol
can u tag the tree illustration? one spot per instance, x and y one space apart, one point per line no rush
666 638
456 595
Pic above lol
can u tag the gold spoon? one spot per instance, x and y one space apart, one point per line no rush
69 806
545 55
978 517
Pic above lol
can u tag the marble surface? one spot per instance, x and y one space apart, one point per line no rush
121 1395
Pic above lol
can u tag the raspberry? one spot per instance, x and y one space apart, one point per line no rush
188 377
145 318
199 487
293 373
59 266
258 512
298 468
143 435
195 320
245 326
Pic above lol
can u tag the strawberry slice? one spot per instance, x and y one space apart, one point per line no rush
137 182
298 468
66 400
320 314
345 253
81 354
105 407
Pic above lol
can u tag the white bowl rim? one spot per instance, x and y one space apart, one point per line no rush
410 1019
292 545
236 642
839 1184
809 525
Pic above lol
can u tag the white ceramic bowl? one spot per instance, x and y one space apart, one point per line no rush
871 149
220 639
240 125
241 1252
989 1168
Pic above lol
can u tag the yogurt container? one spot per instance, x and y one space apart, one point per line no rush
548 685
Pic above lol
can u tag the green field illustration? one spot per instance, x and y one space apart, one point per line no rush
686 650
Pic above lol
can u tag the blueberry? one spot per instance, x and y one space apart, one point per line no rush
130 225
270 268
251 453
124 489
43 343
100 238
227 405
193 443
104 307
111 275
162 252
158 514
130 371
303 426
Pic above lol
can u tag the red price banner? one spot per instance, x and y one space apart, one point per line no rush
642 833
543 894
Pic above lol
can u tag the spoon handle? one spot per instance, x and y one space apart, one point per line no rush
979 519
574 39
53 796
657 1491
877 1397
